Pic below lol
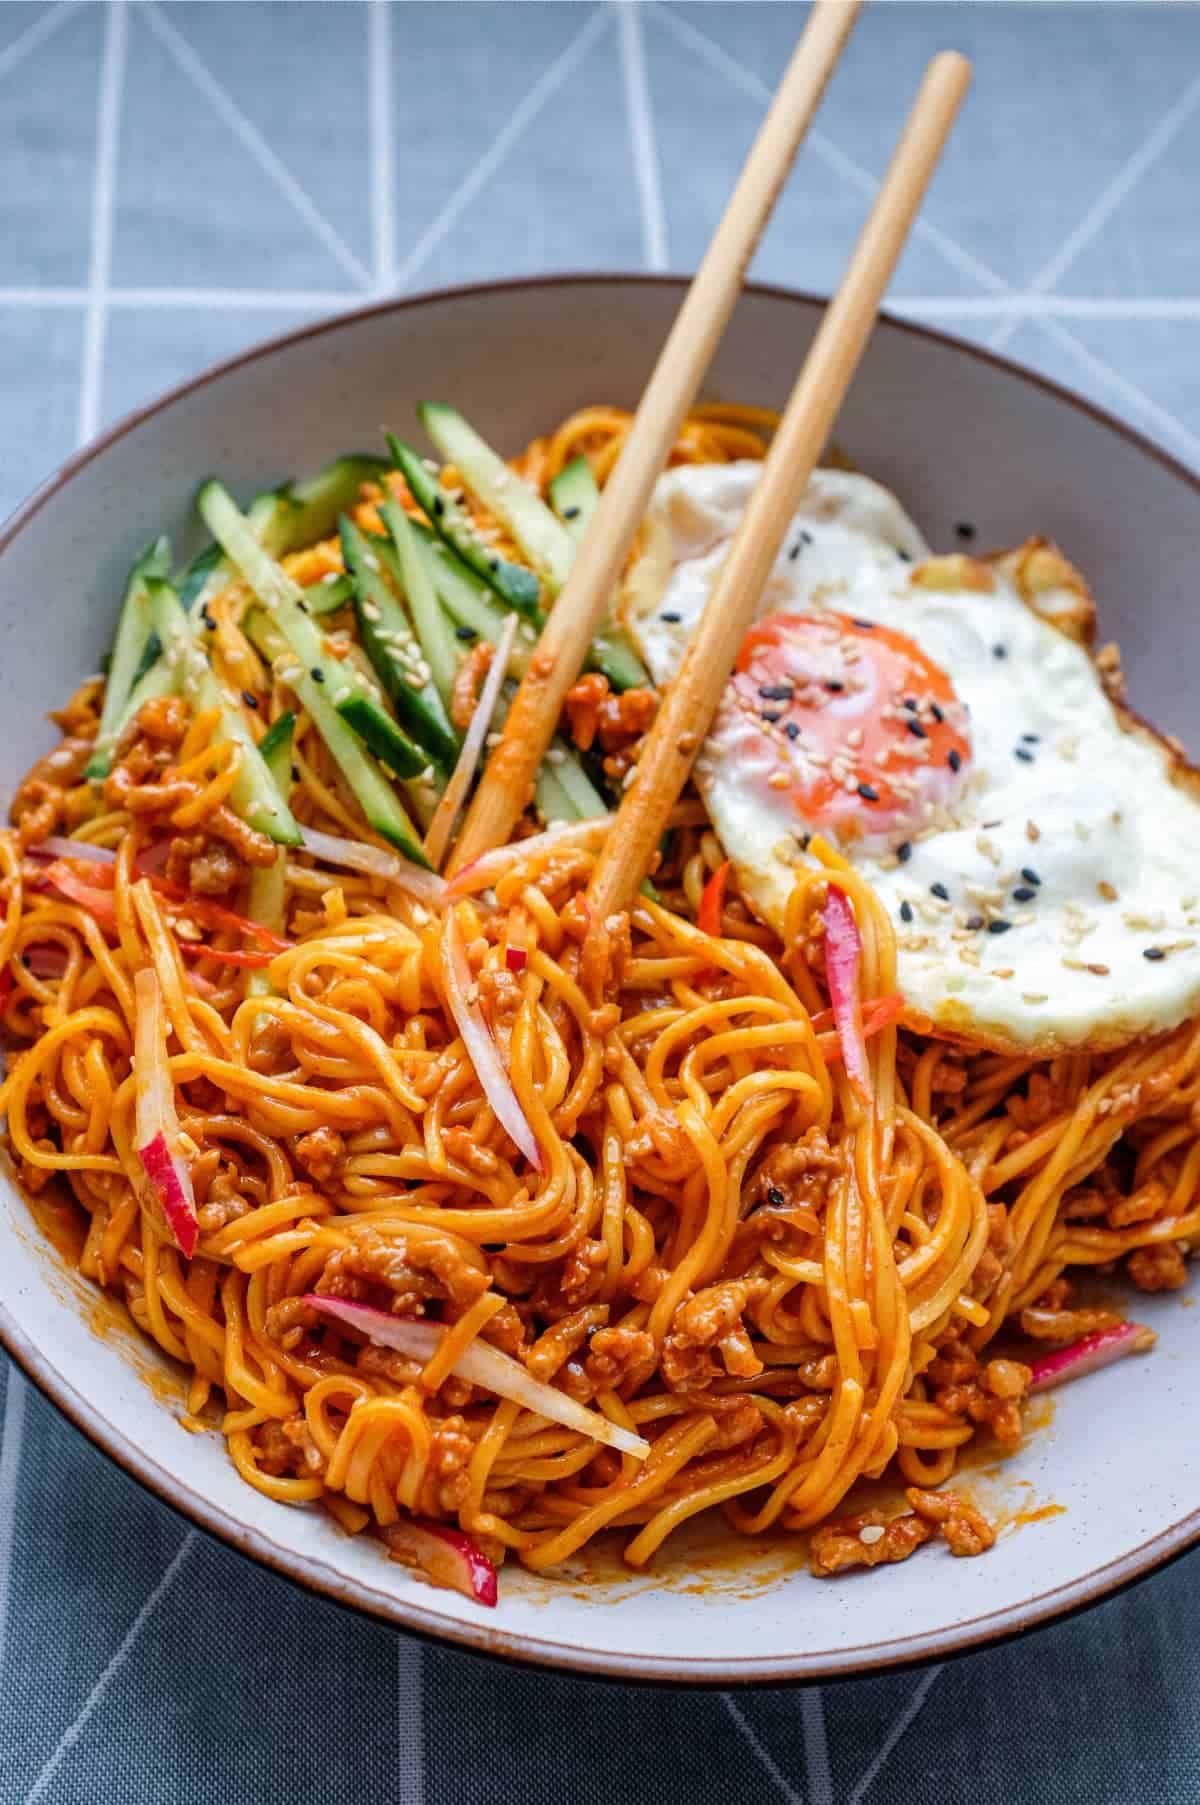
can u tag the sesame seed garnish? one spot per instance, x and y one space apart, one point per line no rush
868 626
317 674
1024 754
1023 893
940 890
999 926
867 793
904 557
906 912
974 922
570 513
466 633
965 530
954 758
910 702
249 698
1153 953
916 729
439 506
776 692
775 1197
1031 739
771 715
833 686
1030 876
206 617
937 713
794 552
671 617
792 731
806 536
999 651
904 851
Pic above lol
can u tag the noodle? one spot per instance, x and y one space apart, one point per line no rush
783 1284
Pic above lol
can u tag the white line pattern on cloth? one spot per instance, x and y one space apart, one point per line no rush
108 131
641 136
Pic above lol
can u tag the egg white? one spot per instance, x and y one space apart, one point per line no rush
1100 810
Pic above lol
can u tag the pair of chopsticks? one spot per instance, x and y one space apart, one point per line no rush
688 707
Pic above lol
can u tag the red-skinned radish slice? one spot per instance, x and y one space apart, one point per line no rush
490 867
482 1050
712 901
96 901
455 793
447 1557
156 1125
878 1014
843 968
1090 1353
375 861
57 846
483 1365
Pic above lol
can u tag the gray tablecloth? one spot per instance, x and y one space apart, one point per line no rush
179 180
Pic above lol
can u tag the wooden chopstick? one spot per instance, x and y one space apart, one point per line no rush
575 616
691 701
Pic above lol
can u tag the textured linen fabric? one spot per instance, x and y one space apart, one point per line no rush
182 179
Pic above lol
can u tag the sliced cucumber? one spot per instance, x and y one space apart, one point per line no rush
433 629
586 800
267 902
255 795
330 594
135 627
542 537
374 794
380 733
390 644
287 519
515 585
467 599
574 496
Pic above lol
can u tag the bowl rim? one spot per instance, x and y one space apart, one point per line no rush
415 1615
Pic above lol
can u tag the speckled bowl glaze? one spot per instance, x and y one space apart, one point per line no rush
1110 1485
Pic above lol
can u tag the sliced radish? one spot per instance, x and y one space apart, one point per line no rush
1090 1353
56 846
447 1557
156 1125
95 900
487 870
375 861
482 1050
843 963
483 1365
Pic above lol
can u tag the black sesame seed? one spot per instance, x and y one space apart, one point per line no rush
940 891
904 557
794 552
1153 953
999 651
670 616
833 686
771 715
317 674
295 773
1024 893
904 851
965 530
806 535
466 633
1032 739
910 702
439 506
906 913
776 692
936 712
776 1197
1024 754
206 617
570 513
974 922
249 698
493 563
954 758
998 926
792 731
804 840
303 607
1030 875
915 728
868 626
867 793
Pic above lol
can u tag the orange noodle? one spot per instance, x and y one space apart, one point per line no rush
761 1276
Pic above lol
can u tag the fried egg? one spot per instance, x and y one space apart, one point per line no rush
943 723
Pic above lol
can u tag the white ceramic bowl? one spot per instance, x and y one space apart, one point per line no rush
962 437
